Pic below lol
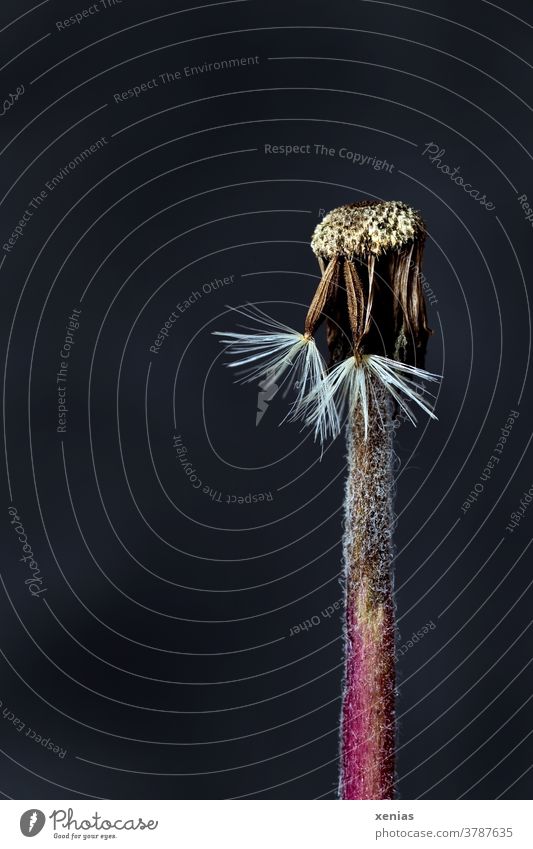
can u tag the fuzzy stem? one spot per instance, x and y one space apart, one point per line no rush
368 710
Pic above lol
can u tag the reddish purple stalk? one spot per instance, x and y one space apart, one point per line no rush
368 710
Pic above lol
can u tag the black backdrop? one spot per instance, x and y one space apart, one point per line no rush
163 654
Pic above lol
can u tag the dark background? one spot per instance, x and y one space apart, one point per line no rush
160 655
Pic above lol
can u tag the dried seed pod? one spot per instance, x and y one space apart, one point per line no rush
371 288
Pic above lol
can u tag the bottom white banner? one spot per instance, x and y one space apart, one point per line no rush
299 824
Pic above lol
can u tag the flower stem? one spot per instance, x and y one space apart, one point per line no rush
368 710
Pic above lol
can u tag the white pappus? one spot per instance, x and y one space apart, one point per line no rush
271 350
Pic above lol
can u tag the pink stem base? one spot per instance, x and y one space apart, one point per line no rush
367 757
368 707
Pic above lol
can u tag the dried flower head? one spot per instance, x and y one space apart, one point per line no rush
371 299
366 227
371 253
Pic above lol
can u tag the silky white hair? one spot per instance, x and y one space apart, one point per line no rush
271 349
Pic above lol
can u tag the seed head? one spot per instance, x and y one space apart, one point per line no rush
371 300
371 293
366 227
